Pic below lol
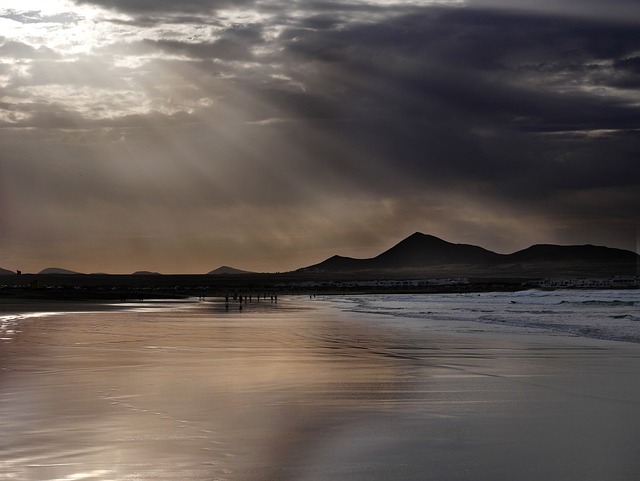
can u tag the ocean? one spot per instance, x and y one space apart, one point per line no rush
598 314
495 386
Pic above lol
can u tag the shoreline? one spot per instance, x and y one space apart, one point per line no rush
306 390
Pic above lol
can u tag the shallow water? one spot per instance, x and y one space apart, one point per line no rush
306 390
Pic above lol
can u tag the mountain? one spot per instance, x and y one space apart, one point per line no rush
428 255
337 264
5 272
226 270
146 273
582 253
57 270
419 250
416 251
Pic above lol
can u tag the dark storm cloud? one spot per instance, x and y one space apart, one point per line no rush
626 73
631 64
341 119
626 11
439 95
493 65
470 97
468 67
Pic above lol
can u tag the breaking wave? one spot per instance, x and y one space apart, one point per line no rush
596 314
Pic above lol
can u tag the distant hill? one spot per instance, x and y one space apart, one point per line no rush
146 273
5 272
428 255
417 250
57 270
585 253
226 270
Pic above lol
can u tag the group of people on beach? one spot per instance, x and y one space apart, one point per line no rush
245 298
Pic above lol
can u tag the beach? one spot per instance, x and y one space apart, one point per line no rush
327 388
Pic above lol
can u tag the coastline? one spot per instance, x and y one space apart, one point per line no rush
111 289
304 389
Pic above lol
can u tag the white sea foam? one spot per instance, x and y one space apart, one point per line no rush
601 314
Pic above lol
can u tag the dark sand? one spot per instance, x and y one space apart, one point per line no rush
300 391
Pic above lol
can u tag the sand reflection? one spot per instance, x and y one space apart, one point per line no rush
187 393
302 391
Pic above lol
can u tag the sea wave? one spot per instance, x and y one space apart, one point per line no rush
611 303
596 314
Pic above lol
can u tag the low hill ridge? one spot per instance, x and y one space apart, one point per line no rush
587 252
430 254
57 270
226 270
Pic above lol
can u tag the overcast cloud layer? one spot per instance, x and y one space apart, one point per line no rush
269 135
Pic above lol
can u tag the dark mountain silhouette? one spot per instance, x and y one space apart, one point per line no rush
336 264
585 253
145 273
5 272
226 270
426 254
417 250
420 250
57 270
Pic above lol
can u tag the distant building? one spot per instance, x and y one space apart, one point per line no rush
619 282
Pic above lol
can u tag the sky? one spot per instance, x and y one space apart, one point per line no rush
269 135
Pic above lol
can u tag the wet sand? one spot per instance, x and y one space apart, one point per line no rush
301 391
